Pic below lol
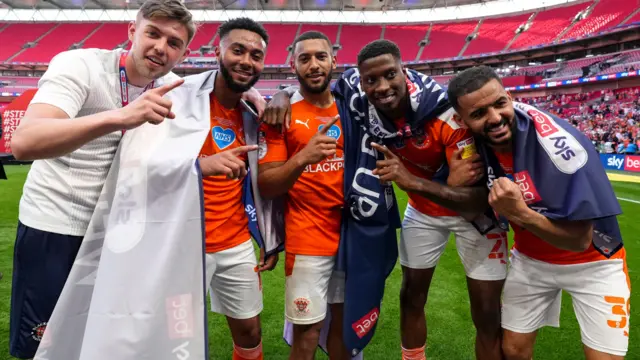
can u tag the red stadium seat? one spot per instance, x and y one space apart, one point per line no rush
108 36
57 41
446 40
607 13
280 37
355 37
17 35
407 37
634 18
547 25
330 30
495 34
204 35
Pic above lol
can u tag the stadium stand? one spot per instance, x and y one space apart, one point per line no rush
447 40
39 42
574 68
605 13
546 25
108 36
610 118
407 37
280 37
495 34
353 37
15 36
330 30
204 37
634 18
536 69
17 84
62 36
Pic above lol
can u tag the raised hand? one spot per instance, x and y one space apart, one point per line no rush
320 146
506 199
278 110
392 169
253 96
149 107
464 172
227 163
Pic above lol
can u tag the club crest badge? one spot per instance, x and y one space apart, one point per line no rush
302 305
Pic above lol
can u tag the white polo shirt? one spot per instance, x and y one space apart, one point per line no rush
61 193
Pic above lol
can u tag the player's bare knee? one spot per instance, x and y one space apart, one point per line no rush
512 349
246 333
413 297
415 288
308 334
486 318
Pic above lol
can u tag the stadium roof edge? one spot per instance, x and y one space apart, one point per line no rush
462 12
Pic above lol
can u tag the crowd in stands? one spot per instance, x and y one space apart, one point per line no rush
610 118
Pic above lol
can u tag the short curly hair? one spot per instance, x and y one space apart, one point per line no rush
311 35
468 81
377 48
243 23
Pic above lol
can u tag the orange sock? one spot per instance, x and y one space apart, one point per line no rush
247 354
414 354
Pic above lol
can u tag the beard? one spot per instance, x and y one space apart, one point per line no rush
504 121
234 85
314 90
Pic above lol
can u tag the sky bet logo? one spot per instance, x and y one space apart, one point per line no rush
563 149
615 162
542 123
366 323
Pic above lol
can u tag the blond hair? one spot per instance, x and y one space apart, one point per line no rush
169 9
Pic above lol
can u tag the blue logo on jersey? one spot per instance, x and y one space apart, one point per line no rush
223 137
333 132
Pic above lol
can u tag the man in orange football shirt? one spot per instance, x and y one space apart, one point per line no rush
305 163
432 214
231 266
412 159
562 209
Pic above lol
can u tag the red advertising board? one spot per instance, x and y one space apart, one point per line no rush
632 163
11 116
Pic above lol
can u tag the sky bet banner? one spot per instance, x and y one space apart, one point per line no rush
621 162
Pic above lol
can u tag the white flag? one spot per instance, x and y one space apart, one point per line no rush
136 290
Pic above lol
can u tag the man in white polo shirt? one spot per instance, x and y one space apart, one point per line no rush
72 128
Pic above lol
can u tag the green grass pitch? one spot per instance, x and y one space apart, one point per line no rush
451 332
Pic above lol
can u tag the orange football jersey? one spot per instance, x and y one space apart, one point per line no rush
532 246
428 150
314 203
226 222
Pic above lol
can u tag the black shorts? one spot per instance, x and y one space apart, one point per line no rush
41 264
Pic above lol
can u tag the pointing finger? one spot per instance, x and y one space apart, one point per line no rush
384 150
244 149
328 125
162 90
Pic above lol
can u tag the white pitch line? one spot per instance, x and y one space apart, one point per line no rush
629 200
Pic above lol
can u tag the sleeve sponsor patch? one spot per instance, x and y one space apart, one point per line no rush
468 147
262 145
